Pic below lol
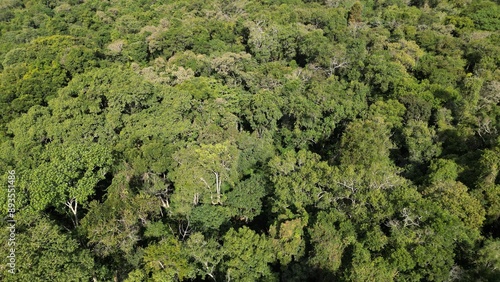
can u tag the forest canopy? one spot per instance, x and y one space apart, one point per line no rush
269 140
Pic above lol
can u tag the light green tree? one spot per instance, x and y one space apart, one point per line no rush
67 177
44 251
201 173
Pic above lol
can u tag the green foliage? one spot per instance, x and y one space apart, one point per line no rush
112 227
288 240
202 175
455 198
43 251
70 173
420 141
276 140
331 235
485 15
365 143
206 253
392 111
300 180
488 259
248 255
355 13
442 170
165 261
245 200
33 73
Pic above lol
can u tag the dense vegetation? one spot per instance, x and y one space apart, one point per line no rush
271 140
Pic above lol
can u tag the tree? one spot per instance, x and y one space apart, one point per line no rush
112 227
263 41
391 111
428 233
368 268
262 110
43 251
35 72
206 253
454 197
365 151
288 140
443 170
201 173
311 115
166 261
248 256
421 142
300 181
485 15
487 188
287 239
67 177
488 262
245 200
355 13
331 235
